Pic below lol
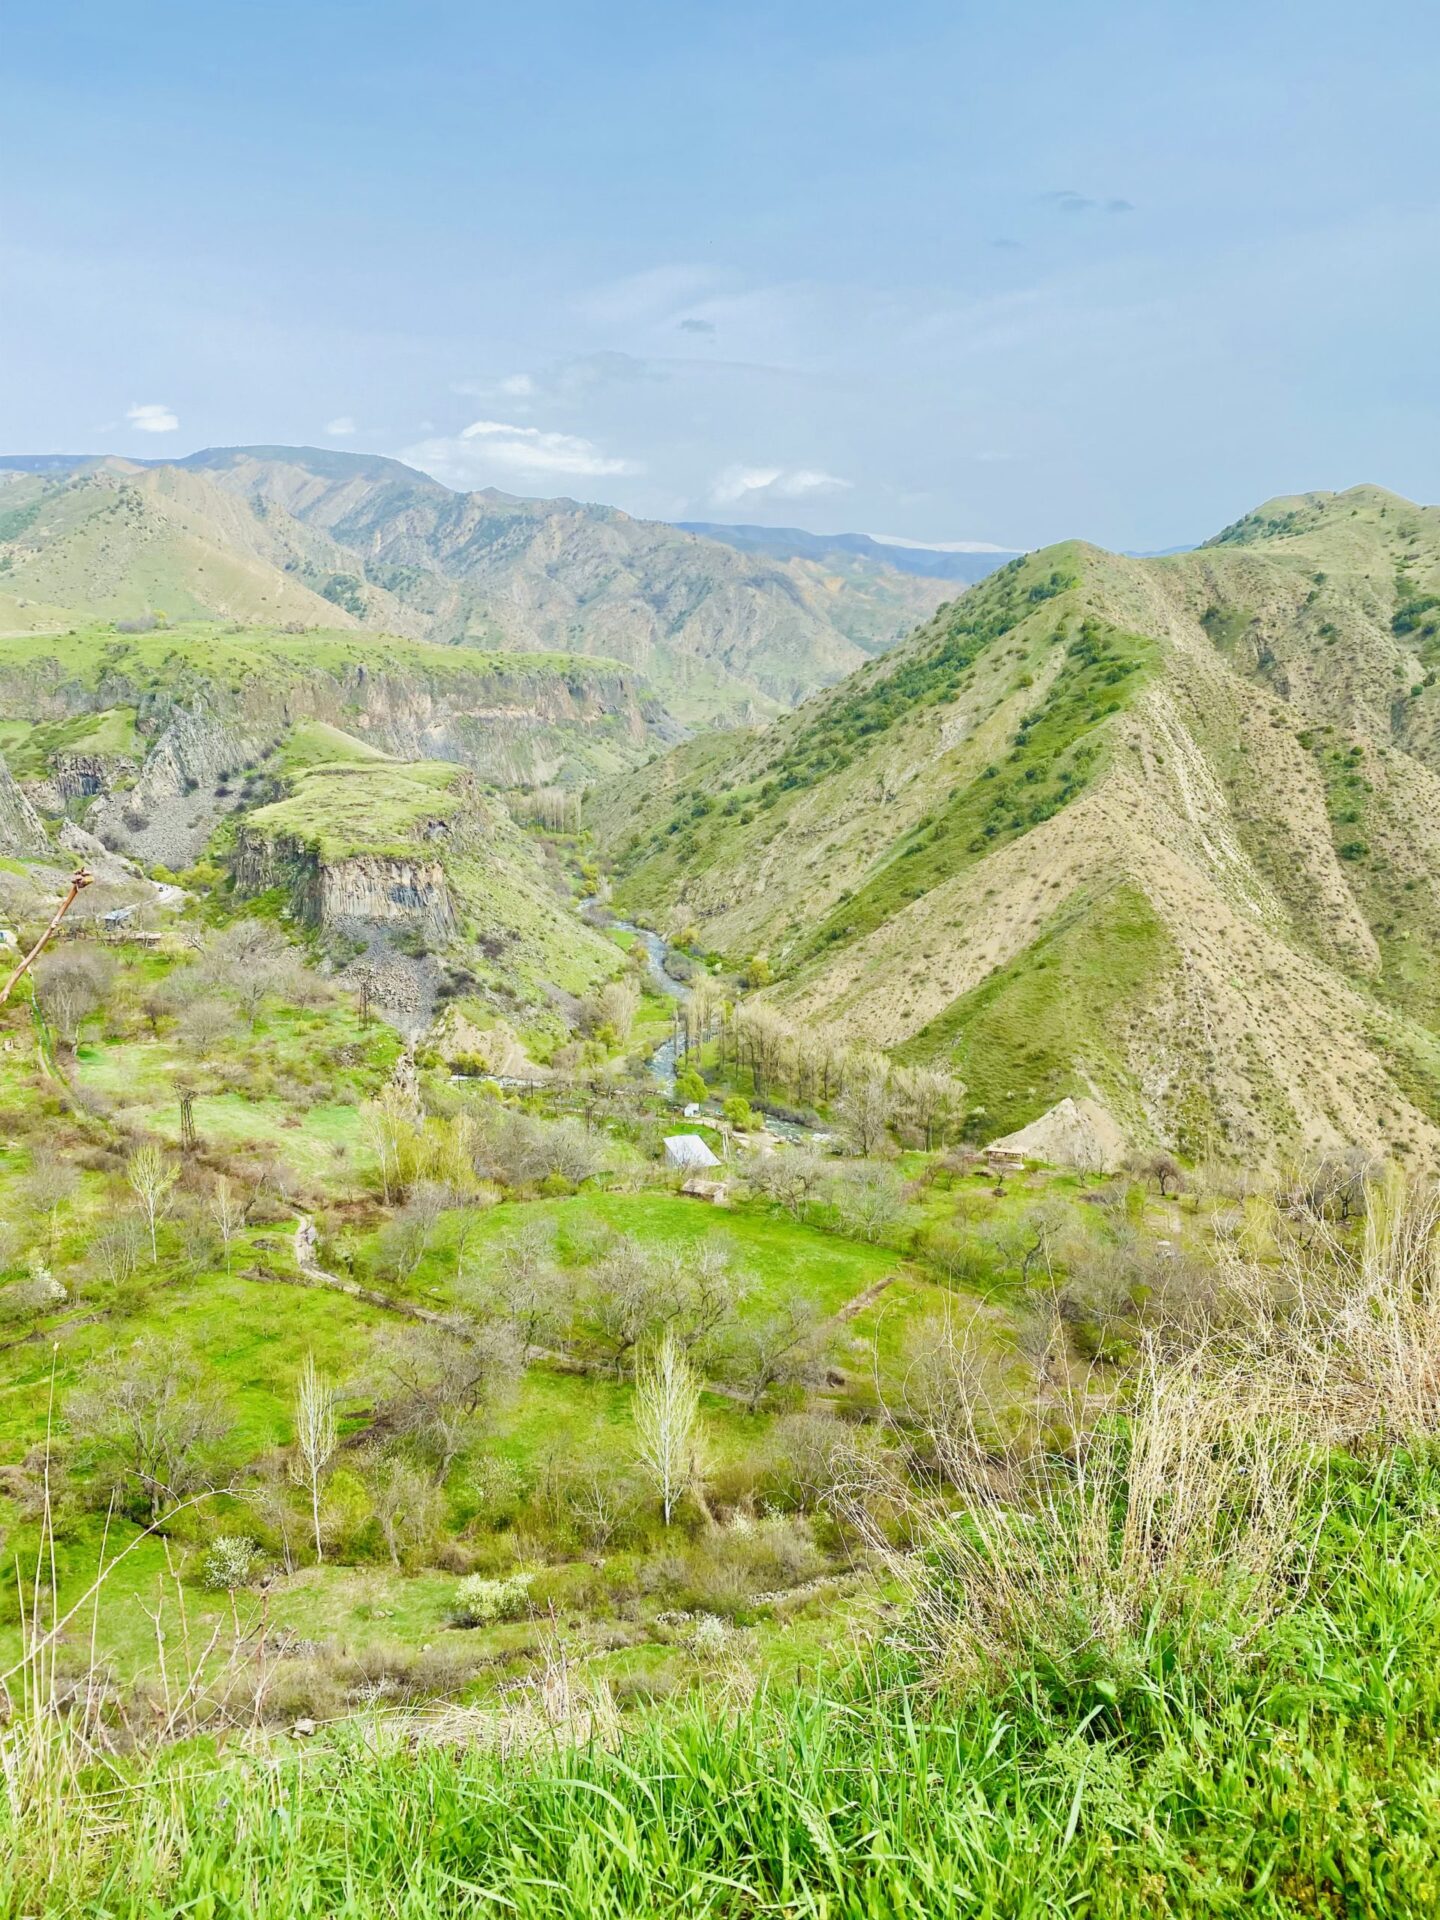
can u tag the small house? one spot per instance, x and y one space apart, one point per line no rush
688 1153
1004 1160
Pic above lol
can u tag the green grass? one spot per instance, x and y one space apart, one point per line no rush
315 743
339 810
1017 1039
106 735
1292 1772
1054 754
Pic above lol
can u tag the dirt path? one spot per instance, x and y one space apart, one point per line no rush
872 1293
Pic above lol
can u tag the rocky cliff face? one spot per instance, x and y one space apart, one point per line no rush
22 832
354 896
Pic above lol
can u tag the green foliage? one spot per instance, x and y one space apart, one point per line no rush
1055 752
1286 1770
1016 1038
481 1602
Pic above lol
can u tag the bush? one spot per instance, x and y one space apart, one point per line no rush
482 1602
232 1562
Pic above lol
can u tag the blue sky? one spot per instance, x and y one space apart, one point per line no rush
949 272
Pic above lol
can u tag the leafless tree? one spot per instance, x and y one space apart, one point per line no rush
407 1505
869 1200
435 1383
154 1423
866 1107
405 1240
227 1211
152 1174
50 1183
791 1177
532 1294
779 1349
204 1027
317 1435
628 1298
73 983
931 1101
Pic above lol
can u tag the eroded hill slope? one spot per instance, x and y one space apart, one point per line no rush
1162 831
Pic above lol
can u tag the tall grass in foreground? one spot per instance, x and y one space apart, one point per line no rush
1191 1668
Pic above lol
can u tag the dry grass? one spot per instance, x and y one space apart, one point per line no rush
1065 1532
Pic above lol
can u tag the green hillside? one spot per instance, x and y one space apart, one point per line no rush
1242 740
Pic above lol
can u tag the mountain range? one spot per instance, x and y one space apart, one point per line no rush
300 535
856 552
1163 832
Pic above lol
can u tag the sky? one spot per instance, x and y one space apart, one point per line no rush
943 272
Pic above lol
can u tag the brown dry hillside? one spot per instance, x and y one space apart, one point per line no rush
1162 831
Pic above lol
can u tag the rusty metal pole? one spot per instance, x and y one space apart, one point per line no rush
79 880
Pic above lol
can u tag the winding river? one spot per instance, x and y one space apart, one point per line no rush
662 1061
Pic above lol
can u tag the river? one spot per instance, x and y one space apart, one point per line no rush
662 1062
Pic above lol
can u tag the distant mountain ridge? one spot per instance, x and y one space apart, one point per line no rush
794 543
293 534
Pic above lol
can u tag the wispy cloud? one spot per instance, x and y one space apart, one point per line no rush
1067 200
490 448
152 417
737 483
697 326
339 429
652 295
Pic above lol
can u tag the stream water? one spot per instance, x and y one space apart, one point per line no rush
662 1062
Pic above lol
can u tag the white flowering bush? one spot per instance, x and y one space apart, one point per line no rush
231 1562
482 1602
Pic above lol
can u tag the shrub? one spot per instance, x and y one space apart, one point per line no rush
232 1562
482 1602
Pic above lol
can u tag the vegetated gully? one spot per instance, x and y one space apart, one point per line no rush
662 1062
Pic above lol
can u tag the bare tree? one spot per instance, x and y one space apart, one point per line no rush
667 1423
115 1250
50 1183
437 1381
790 1176
616 1005
405 1240
316 1437
931 1101
153 1421
250 961
869 1200
227 1212
204 1026
706 1291
407 1505
628 1300
866 1107
73 983
779 1350
152 1174
532 1293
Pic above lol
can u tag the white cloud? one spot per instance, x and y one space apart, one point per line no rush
338 429
487 448
519 386
775 483
152 418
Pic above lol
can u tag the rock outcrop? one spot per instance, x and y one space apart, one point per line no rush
22 832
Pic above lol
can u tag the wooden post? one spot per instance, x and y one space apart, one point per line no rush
78 880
